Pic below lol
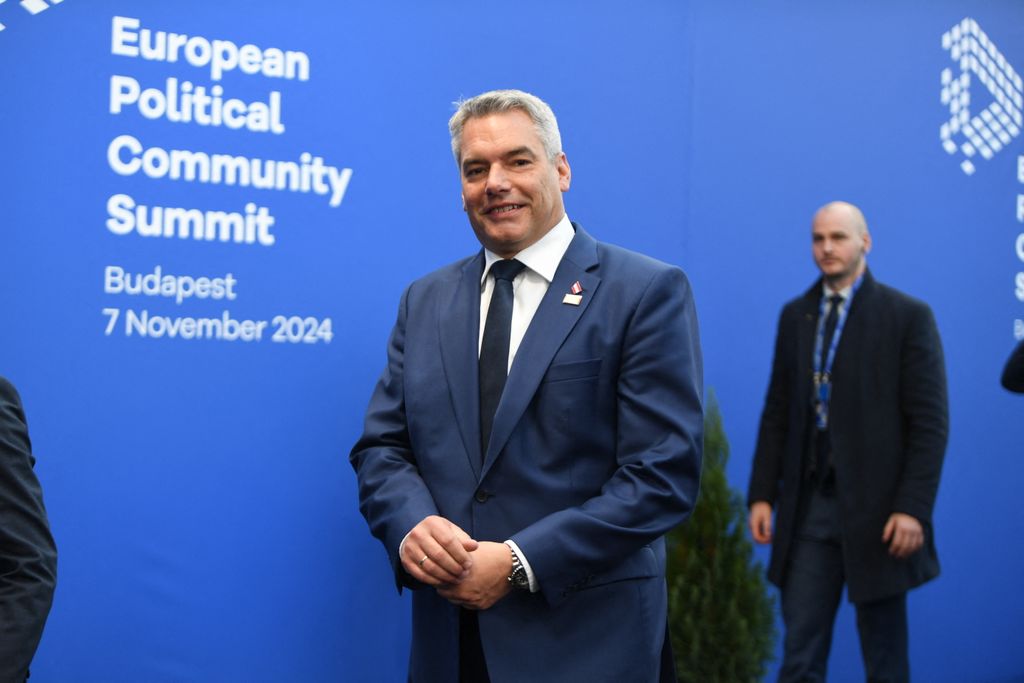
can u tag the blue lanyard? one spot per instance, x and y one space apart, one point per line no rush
823 375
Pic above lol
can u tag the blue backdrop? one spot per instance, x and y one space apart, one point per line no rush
197 483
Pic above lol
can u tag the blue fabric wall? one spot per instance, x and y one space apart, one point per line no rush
199 489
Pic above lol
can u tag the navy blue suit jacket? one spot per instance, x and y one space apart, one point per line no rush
595 453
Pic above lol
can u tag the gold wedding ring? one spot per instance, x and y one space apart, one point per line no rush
420 563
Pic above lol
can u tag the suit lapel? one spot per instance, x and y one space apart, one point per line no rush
458 328
549 328
805 340
856 325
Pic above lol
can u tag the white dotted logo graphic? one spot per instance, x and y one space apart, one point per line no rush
983 134
32 7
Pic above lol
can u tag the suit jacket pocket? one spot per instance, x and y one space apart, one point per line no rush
582 369
642 564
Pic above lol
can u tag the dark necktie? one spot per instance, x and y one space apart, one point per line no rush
830 325
823 464
494 348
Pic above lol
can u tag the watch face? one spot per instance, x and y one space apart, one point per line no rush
519 578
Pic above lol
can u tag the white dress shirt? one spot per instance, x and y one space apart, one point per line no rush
541 260
827 292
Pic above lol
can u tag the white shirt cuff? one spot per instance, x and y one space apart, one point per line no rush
534 587
401 546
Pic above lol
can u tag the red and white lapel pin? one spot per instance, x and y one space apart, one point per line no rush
575 295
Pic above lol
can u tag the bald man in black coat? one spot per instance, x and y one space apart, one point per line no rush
851 491
28 556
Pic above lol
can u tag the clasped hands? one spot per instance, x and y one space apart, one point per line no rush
468 573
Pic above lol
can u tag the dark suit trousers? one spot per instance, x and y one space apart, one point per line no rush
472 664
810 597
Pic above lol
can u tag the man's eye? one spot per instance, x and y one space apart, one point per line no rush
472 172
521 162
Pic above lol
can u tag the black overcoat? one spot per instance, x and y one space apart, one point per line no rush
28 556
889 425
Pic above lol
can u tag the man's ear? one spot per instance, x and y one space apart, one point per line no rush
564 172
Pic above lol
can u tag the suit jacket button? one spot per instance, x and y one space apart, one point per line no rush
482 496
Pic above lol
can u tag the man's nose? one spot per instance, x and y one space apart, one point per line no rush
497 180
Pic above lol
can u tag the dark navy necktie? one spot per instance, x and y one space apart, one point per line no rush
494 348
823 464
830 324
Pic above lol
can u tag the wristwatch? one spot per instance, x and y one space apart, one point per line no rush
518 577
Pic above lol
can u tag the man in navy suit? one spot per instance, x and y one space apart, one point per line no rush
849 455
522 472
28 556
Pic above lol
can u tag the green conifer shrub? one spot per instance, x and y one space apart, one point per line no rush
722 618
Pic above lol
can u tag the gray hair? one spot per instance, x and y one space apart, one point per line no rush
501 101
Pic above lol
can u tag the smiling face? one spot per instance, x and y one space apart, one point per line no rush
511 190
839 243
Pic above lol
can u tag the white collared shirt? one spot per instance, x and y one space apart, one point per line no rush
541 260
827 292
